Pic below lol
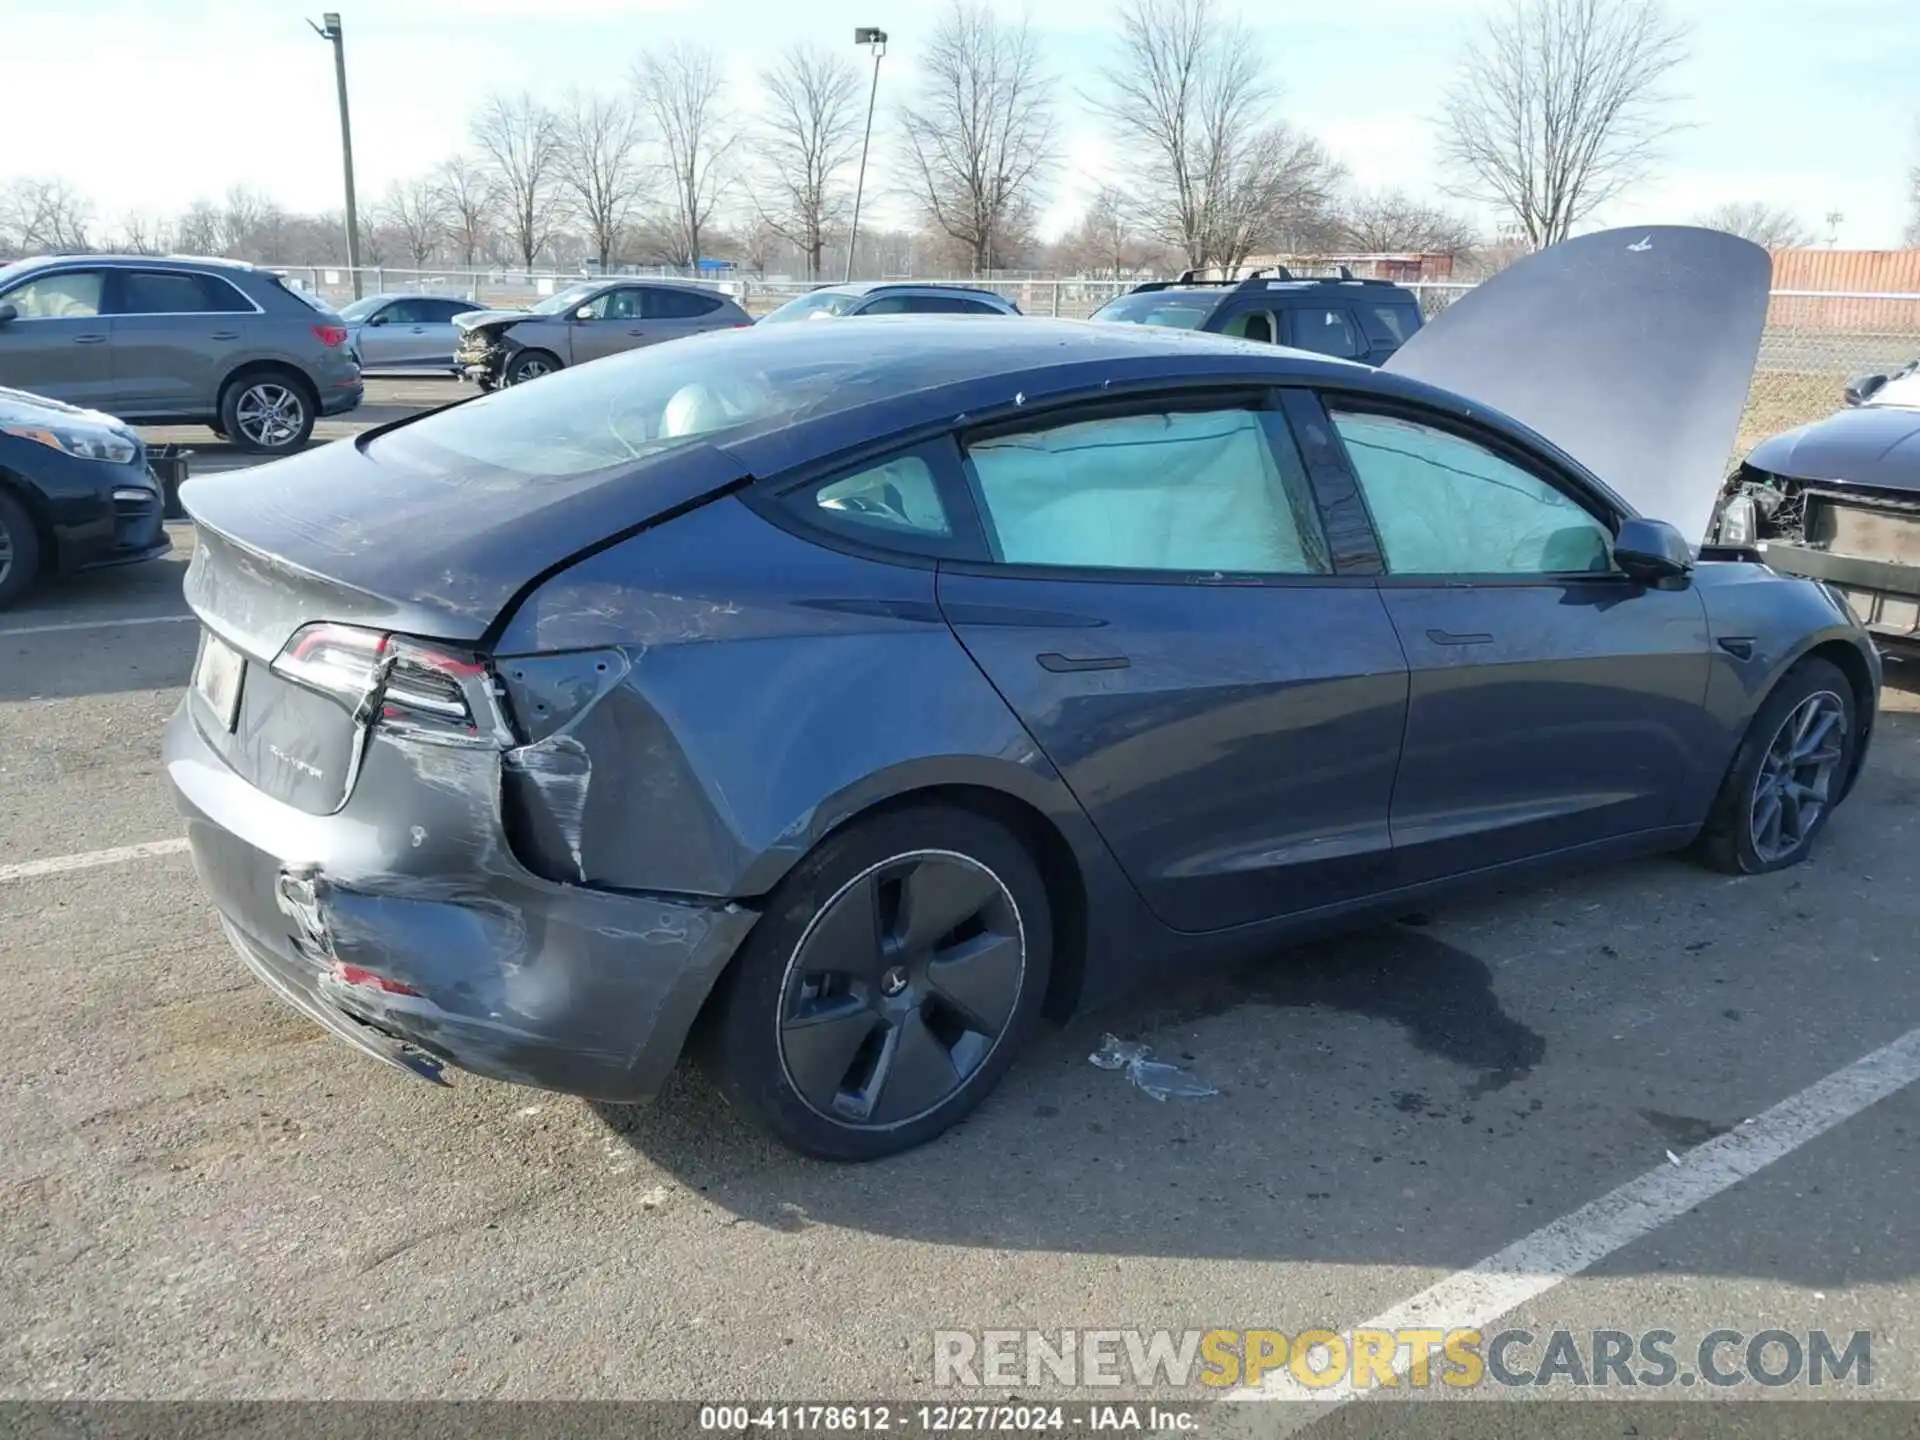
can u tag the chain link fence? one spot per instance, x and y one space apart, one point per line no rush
1815 341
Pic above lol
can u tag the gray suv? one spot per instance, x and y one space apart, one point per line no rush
171 341
585 322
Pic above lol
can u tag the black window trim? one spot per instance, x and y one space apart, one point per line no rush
1263 399
116 278
1541 467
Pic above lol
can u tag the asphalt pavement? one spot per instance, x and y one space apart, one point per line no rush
203 1195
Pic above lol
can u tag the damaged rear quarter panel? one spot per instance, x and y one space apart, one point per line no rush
770 688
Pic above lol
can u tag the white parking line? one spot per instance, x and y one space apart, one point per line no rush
66 625
60 864
1530 1267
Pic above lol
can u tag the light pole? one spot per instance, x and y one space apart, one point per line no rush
329 29
877 39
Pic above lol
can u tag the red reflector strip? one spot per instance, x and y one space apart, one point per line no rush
355 975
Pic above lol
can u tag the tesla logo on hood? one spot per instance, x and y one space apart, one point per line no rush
1644 243
312 772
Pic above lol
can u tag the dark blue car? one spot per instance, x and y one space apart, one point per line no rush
846 697
75 493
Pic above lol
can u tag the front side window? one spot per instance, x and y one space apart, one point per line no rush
1198 491
819 305
1444 505
616 305
68 295
1393 323
1251 325
899 496
1325 330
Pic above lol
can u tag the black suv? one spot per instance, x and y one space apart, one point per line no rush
1352 319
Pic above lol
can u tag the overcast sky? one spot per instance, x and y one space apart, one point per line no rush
147 104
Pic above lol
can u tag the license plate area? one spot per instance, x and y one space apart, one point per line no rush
217 677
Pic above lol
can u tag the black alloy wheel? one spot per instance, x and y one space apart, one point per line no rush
887 986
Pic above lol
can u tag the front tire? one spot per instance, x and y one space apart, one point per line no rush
529 365
19 550
887 987
267 413
1787 775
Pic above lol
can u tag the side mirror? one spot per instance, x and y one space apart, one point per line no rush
585 312
1651 551
379 318
1862 388
8 311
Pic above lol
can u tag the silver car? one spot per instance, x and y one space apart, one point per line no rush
405 332
178 340
586 322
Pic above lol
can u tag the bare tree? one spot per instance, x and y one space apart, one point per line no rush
980 133
198 230
414 212
142 234
600 167
1771 226
44 216
472 201
1559 106
809 134
1912 237
1109 240
682 92
1391 222
521 141
1221 175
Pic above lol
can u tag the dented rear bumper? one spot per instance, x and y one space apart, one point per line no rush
514 977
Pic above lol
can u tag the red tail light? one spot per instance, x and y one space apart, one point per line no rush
400 683
330 335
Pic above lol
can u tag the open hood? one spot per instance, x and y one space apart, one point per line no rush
1631 350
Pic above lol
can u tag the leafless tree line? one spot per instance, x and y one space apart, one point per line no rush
1558 107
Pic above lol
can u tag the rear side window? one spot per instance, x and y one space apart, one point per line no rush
954 305
1325 330
899 497
440 312
1389 324
678 305
1196 491
158 292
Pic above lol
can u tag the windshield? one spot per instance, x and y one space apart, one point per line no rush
570 298
817 306
1180 310
360 309
626 408
1902 391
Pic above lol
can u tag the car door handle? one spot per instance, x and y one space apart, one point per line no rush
1067 665
1448 637
419 329
89 339
225 335
636 332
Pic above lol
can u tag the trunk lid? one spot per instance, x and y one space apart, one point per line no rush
436 550
1631 350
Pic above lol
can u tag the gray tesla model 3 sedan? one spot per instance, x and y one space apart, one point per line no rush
848 697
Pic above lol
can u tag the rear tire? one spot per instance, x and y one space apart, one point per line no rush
888 985
529 365
267 412
1786 777
19 550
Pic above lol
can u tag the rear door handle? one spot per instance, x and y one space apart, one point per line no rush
89 339
1067 665
225 335
1448 637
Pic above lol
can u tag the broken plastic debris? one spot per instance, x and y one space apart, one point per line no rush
1157 1079
1673 1157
